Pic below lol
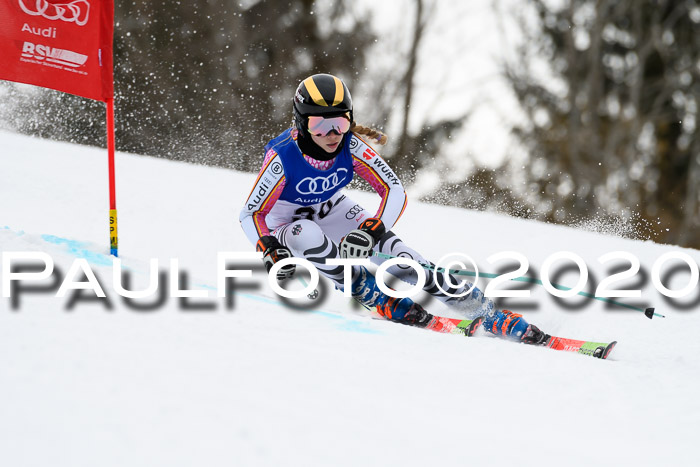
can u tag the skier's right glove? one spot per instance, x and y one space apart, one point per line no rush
273 251
358 243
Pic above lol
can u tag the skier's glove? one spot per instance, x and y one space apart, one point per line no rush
273 251
358 243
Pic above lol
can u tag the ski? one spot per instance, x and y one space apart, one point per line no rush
465 327
443 325
594 349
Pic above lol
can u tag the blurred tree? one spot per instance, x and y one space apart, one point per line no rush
207 81
611 117
409 151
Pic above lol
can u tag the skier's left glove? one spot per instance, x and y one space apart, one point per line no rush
358 243
273 251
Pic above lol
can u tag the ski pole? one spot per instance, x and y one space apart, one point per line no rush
648 312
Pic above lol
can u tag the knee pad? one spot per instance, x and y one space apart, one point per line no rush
302 235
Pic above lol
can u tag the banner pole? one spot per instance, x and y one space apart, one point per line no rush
113 237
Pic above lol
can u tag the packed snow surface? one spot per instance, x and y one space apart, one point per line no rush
250 381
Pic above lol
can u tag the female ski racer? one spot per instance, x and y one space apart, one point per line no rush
297 208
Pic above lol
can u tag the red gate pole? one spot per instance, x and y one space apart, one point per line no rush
113 237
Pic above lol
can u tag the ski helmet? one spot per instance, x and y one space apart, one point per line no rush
320 94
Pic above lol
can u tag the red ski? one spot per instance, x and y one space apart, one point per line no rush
465 327
594 349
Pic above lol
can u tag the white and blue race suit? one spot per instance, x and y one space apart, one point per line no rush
300 201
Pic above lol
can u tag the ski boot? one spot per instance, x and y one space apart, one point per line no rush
512 325
534 336
417 316
402 310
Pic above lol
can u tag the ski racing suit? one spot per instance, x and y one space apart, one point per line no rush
299 200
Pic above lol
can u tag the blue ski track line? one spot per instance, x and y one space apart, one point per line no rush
79 249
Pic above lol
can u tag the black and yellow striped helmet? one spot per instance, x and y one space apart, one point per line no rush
321 94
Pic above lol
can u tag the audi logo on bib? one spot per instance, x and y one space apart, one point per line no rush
319 185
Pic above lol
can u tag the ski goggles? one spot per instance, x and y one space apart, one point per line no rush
321 126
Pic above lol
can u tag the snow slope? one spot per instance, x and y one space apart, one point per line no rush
86 383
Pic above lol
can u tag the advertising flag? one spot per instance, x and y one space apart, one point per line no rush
64 45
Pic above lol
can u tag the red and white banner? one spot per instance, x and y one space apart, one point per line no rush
59 44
